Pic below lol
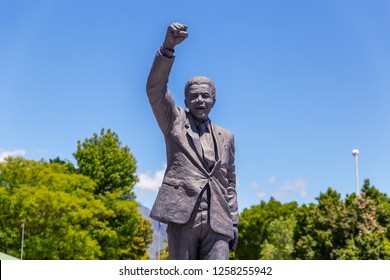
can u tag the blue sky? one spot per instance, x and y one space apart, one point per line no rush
300 83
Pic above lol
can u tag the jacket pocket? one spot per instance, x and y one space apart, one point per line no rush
172 182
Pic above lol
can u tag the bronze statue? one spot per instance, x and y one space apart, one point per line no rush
197 198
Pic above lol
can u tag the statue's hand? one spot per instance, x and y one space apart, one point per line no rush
176 34
233 242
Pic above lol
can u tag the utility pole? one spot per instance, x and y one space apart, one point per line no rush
355 153
21 251
159 241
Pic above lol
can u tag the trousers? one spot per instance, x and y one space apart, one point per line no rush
196 240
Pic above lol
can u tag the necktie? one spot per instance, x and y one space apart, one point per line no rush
206 140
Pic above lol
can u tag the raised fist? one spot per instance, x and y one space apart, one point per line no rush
176 34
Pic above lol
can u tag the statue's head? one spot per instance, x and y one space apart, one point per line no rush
200 97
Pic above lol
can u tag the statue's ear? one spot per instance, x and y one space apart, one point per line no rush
185 102
215 100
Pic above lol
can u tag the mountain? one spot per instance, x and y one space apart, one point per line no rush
159 233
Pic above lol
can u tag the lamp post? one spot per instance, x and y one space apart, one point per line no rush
21 251
355 153
159 241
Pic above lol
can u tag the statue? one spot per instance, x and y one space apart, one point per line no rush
197 198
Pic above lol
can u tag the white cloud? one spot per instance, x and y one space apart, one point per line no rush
298 185
15 153
256 186
281 195
272 180
150 182
261 194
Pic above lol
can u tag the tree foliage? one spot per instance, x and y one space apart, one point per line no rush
254 226
354 228
87 212
131 233
59 211
111 165
324 228
279 244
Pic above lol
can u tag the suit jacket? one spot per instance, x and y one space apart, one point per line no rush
187 172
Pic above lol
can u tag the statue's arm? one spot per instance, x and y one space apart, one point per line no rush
231 176
160 99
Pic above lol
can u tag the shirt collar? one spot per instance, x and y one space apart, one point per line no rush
206 122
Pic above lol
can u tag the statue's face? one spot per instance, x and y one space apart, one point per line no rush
200 100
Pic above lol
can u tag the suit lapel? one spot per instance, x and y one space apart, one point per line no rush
194 136
218 139
192 132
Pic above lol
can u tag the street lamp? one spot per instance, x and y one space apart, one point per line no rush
21 251
355 153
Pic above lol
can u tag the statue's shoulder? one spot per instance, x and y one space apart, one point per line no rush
225 132
181 113
181 116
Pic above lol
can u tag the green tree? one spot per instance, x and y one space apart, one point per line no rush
70 166
279 244
335 229
254 226
370 241
382 205
88 212
354 228
324 227
131 233
111 165
61 215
